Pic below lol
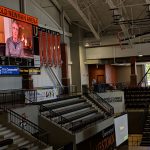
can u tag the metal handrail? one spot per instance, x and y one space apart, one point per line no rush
27 126
143 77
99 101
50 70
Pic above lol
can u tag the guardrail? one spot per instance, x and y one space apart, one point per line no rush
99 101
11 98
27 126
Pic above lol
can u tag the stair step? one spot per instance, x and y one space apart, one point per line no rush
23 143
35 148
3 133
18 140
4 147
3 128
10 135
16 137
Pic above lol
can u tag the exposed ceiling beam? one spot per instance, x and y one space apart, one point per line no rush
84 17
59 7
123 26
147 1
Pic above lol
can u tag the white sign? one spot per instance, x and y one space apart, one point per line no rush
46 94
36 61
115 99
41 95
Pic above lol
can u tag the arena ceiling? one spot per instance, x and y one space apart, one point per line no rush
131 18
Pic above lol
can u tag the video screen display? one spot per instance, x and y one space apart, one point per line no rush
121 129
16 38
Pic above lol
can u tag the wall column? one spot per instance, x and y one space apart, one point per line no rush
65 79
133 76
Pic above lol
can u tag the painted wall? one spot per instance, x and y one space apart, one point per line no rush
31 112
9 4
96 72
83 66
8 83
116 51
124 72
44 17
110 74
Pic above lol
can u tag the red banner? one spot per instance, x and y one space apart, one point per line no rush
17 15
44 42
50 49
58 50
54 36
40 47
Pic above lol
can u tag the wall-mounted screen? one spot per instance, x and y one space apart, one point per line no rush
121 129
15 38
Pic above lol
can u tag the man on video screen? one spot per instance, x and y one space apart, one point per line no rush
14 46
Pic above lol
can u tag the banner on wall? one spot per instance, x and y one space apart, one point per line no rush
42 94
104 140
7 12
115 99
50 49
58 50
46 94
54 39
44 42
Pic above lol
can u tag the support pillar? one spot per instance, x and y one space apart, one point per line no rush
133 76
65 79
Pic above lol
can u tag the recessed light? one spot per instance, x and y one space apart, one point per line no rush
86 45
140 55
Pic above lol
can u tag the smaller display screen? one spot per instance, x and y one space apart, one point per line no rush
121 129
9 70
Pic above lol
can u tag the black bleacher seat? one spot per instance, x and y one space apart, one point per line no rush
84 122
64 104
80 115
68 110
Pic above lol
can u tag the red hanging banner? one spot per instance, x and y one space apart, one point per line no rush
54 36
50 49
40 47
58 50
44 42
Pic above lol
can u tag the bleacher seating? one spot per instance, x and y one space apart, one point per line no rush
137 97
77 113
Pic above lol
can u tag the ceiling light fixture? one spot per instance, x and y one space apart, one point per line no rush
87 45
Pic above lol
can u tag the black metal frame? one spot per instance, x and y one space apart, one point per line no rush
27 126
99 101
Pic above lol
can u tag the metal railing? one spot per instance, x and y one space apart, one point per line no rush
11 98
143 79
33 95
27 126
99 101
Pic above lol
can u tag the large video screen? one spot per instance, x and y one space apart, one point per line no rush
15 38
121 129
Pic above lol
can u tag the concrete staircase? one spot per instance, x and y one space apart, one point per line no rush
19 141
74 114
